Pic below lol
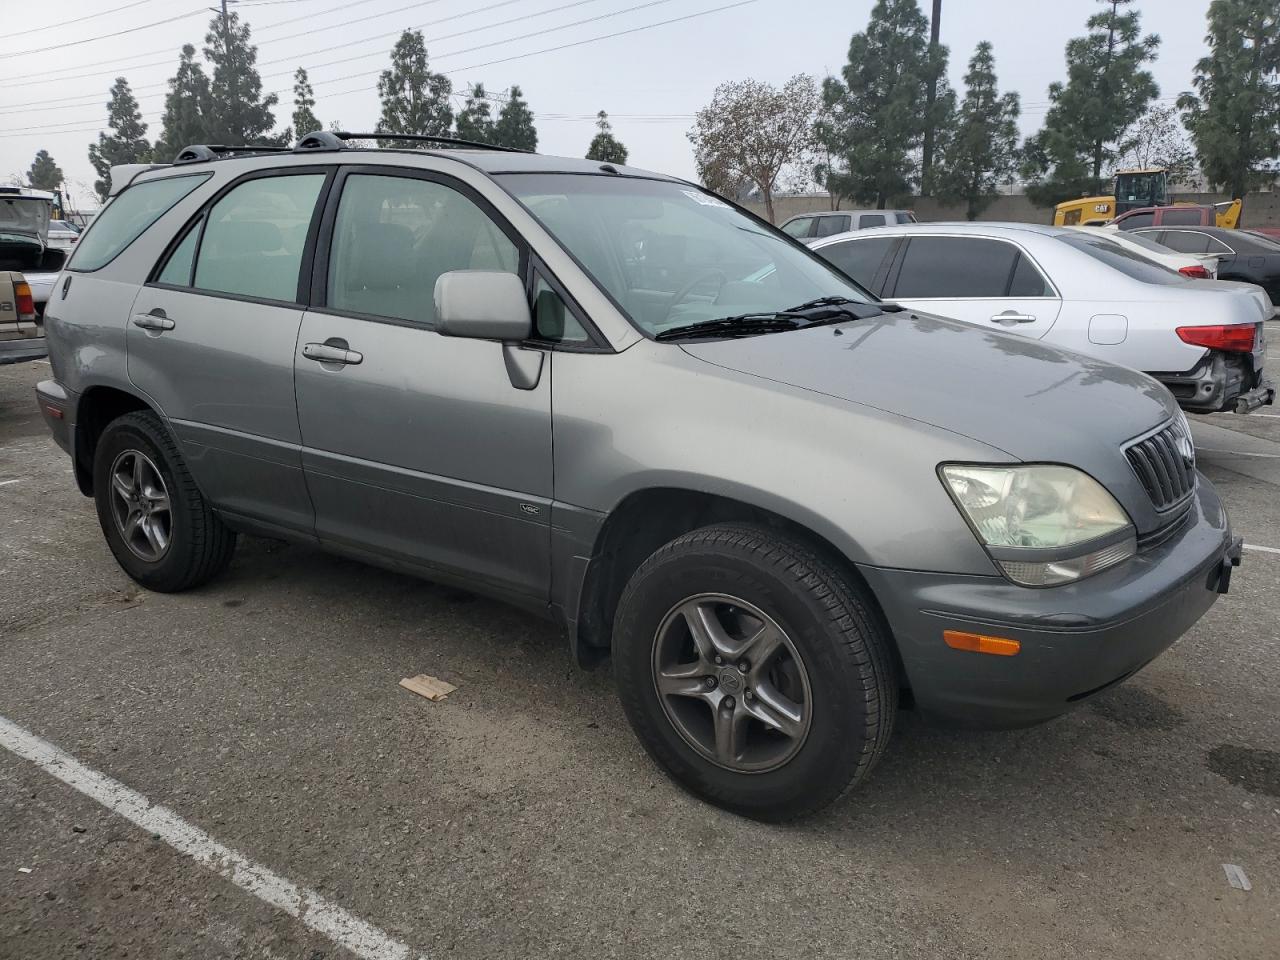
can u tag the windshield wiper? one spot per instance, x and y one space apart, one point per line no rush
835 309
743 325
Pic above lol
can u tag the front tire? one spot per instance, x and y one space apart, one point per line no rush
755 671
160 528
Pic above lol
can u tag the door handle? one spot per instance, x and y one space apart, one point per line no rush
333 350
155 320
1012 316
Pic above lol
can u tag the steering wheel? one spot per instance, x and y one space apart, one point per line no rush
679 296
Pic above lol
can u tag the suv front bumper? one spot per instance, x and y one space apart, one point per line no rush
1076 639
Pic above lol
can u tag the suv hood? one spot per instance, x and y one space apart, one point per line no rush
1033 401
25 216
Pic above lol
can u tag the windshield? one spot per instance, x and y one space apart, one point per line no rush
670 255
1147 188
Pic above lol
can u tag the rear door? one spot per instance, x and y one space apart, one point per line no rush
212 337
417 446
988 282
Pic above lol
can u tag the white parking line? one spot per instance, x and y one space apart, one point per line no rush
5 483
344 929
1254 546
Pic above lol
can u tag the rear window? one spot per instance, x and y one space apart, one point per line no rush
1131 264
905 217
1135 221
1190 217
126 217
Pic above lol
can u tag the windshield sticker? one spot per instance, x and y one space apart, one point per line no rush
704 199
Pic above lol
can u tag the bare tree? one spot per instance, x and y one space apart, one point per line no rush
1158 140
752 132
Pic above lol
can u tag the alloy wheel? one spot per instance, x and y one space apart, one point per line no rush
140 505
732 683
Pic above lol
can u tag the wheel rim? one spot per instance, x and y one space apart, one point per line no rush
732 683
140 505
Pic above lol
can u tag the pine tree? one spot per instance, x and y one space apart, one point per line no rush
414 100
1106 91
873 119
984 148
515 124
239 112
304 100
475 120
44 173
186 108
605 147
1234 118
128 141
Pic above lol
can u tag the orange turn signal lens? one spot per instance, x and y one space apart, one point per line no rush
977 643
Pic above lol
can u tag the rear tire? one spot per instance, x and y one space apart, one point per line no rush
819 701
160 528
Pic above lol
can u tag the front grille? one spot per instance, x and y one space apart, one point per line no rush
1165 463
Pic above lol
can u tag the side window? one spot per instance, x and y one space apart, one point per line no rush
871 220
552 319
125 218
177 271
394 236
952 267
1028 281
859 259
828 226
1186 241
1217 246
1181 216
797 228
254 237
906 217
1136 221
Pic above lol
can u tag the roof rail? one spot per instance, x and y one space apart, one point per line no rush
203 152
320 140
421 138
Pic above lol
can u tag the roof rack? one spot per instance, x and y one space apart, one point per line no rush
203 152
337 140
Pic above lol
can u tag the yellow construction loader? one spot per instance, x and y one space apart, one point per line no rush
1135 190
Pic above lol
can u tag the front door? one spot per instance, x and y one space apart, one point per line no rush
990 283
211 341
417 446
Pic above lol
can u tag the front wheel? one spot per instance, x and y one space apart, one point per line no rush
754 671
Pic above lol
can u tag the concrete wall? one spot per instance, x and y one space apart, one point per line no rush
1260 209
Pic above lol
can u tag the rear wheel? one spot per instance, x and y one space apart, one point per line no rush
754 671
156 522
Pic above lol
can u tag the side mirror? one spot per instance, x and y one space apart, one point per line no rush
484 304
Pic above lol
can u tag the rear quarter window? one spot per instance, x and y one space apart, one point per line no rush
127 217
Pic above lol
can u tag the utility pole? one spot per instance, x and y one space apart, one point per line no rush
931 96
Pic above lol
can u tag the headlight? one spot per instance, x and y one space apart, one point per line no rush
1043 524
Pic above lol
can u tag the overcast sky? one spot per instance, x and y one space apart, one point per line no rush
650 80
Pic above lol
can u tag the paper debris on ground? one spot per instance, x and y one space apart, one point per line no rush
433 688
1237 877
24 869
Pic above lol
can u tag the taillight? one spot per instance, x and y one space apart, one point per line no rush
1197 272
26 303
1237 338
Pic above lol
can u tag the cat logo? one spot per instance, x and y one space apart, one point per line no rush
532 509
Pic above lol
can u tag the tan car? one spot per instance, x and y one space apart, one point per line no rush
21 332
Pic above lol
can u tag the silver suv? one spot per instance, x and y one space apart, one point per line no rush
784 508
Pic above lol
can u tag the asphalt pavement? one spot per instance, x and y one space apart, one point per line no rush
221 773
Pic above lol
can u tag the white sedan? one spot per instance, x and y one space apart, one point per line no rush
1202 339
1202 266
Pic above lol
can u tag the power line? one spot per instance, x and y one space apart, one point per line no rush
66 23
369 73
11 132
105 36
49 75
